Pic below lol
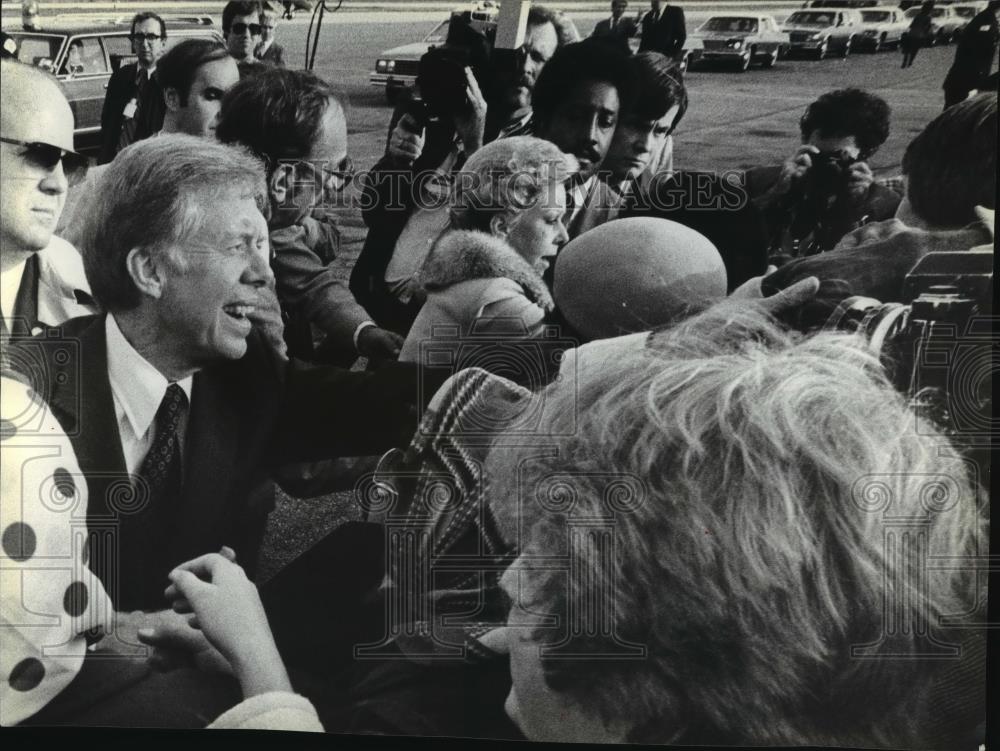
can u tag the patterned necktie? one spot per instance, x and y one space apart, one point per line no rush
147 536
127 135
163 460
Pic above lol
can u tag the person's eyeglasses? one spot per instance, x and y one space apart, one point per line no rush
241 28
336 180
140 38
45 156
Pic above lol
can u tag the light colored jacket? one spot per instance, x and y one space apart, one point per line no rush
477 286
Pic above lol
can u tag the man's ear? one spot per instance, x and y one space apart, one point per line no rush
282 184
172 98
146 271
500 225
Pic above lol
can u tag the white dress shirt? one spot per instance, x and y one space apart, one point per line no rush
138 389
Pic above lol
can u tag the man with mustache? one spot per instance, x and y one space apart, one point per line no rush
577 102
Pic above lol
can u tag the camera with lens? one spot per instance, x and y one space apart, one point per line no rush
938 348
441 80
828 175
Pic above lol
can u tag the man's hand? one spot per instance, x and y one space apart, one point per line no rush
379 344
791 297
793 171
859 181
471 124
406 143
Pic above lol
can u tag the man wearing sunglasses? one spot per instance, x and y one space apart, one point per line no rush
42 280
275 114
241 27
133 107
269 51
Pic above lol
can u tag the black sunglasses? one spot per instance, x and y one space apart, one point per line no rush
45 156
241 28
145 37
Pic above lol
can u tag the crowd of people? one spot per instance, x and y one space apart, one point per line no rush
618 486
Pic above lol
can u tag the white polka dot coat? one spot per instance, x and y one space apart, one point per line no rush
49 597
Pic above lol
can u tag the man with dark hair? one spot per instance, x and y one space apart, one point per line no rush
950 173
977 46
826 189
663 29
619 28
133 107
294 121
241 27
400 232
194 75
641 146
578 99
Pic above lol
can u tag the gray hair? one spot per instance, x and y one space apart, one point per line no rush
152 196
750 553
507 177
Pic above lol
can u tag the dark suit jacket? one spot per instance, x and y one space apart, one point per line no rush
246 417
149 116
274 55
666 35
620 34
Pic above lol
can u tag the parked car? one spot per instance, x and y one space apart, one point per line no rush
821 32
396 68
881 27
945 23
967 11
741 39
84 54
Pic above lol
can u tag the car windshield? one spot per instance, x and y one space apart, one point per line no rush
875 16
938 12
746 25
811 19
439 34
966 12
37 48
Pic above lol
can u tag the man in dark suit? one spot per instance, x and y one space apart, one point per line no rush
133 107
663 29
619 28
269 51
176 406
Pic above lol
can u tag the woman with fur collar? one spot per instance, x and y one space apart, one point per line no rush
484 276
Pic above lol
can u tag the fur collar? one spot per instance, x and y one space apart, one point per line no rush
462 255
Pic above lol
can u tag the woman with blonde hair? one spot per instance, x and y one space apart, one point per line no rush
484 276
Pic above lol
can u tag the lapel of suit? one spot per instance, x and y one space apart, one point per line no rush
81 399
210 455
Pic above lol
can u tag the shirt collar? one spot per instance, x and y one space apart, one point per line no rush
138 386
148 72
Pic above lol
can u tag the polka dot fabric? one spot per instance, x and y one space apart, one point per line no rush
48 597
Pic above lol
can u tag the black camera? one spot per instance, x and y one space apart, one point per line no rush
938 348
441 77
829 172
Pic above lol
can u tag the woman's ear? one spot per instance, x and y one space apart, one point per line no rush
146 271
500 225
282 184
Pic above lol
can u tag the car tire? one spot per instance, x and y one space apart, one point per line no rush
771 60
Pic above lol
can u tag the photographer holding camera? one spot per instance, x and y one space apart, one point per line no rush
465 101
826 189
